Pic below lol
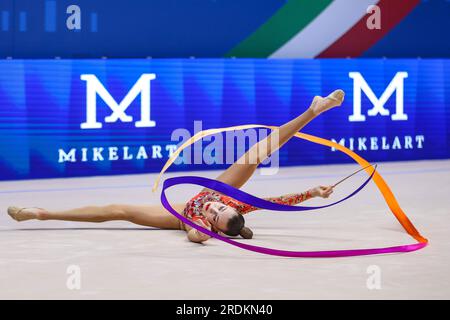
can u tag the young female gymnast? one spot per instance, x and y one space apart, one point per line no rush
209 209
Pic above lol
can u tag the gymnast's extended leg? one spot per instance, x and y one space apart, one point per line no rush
239 172
150 216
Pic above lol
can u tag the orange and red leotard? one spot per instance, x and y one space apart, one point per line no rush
194 208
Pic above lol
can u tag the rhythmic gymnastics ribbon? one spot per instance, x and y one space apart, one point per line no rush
264 204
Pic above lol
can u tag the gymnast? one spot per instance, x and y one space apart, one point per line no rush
209 209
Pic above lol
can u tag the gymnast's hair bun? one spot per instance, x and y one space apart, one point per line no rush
246 233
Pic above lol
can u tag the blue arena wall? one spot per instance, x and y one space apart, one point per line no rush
54 113
37 29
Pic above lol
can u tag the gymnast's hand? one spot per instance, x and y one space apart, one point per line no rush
196 236
322 191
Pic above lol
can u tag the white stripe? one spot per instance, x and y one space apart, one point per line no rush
325 29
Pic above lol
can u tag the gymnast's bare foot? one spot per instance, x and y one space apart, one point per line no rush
23 214
321 104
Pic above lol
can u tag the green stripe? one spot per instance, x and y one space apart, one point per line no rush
279 29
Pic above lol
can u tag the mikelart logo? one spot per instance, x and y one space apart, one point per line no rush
94 87
364 143
360 85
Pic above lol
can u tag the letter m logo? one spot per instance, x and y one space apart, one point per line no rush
360 85
94 88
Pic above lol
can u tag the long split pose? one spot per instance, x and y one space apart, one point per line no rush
210 209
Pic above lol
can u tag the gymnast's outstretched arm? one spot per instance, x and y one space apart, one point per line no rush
240 171
292 198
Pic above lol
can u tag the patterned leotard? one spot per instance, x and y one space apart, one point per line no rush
194 208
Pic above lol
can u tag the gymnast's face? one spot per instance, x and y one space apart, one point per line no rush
218 214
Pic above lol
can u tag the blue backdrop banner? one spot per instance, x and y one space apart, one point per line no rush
64 118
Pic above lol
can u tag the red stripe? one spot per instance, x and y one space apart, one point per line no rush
359 38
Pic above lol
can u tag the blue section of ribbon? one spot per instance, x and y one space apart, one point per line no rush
248 198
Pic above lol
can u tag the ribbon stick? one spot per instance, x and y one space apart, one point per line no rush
351 175
261 203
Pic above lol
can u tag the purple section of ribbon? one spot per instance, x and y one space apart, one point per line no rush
264 204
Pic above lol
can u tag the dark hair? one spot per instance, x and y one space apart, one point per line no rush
236 226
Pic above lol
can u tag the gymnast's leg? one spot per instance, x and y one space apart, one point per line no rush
150 216
239 172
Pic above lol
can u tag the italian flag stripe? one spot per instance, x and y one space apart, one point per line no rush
329 25
280 28
359 38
